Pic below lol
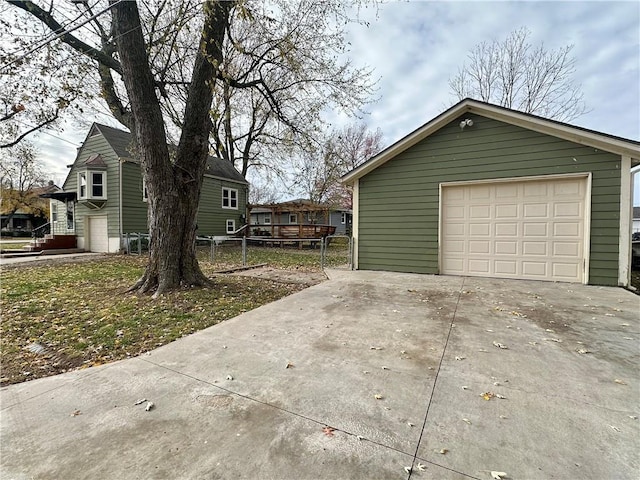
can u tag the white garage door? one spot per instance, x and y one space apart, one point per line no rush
517 229
98 236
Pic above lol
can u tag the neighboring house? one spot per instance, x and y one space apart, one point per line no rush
104 198
25 219
265 218
483 190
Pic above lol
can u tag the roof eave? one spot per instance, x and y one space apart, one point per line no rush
548 127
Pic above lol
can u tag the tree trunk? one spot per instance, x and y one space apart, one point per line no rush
173 188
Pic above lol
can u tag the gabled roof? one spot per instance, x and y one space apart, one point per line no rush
120 142
221 168
572 133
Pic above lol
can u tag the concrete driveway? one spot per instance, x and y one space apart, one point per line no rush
367 375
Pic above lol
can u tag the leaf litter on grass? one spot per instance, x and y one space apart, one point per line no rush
79 314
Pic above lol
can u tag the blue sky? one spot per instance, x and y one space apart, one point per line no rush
414 47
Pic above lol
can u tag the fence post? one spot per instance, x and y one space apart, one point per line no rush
128 245
139 244
244 251
213 249
322 252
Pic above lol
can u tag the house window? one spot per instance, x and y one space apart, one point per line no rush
145 196
97 184
92 185
293 218
230 198
343 218
82 185
231 226
267 219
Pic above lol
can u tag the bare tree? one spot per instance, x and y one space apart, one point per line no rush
158 85
20 176
318 172
517 75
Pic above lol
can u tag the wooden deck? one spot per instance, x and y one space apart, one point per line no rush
291 231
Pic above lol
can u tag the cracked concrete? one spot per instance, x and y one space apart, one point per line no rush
395 363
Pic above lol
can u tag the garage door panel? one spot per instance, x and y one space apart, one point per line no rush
479 267
534 248
479 229
567 209
565 270
506 229
536 210
529 229
567 229
506 248
566 249
506 211
476 247
534 269
502 267
480 211
535 230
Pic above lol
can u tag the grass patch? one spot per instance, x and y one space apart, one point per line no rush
13 246
59 317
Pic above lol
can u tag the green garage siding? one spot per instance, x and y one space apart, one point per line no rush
399 200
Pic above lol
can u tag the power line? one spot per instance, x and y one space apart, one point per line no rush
61 34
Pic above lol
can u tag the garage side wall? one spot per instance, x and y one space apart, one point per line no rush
398 213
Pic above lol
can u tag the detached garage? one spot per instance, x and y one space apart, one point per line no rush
482 190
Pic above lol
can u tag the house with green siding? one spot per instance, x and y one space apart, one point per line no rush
104 197
483 190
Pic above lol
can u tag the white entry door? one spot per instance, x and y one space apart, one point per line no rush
532 229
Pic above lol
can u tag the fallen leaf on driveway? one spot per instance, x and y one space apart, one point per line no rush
328 431
422 467
620 382
583 351
142 400
76 413
443 451
460 358
466 420
377 396
149 406
500 345
615 428
488 395
557 340
498 475
407 469
289 365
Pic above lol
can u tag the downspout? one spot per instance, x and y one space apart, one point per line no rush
120 233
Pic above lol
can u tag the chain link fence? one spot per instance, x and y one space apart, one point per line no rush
226 253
